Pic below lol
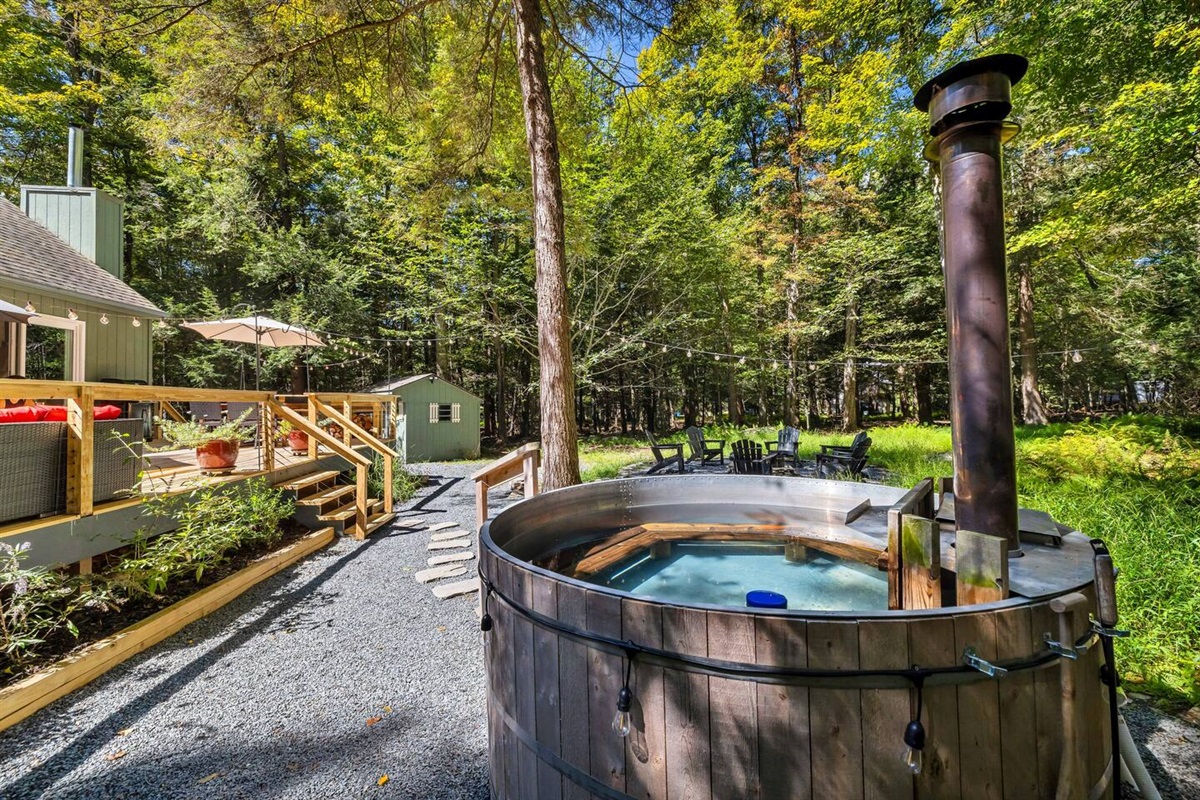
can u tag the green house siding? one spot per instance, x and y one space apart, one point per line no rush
420 439
118 350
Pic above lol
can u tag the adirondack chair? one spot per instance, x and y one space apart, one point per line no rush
849 462
665 455
843 449
747 458
701 448
784 450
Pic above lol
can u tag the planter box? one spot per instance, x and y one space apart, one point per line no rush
37 691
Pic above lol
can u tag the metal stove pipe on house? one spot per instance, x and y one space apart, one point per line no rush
967 106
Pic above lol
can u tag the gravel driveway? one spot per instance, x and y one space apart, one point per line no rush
323 679
270 696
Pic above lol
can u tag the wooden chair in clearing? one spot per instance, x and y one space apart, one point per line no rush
784 450
747 458
665 455
843 449
848 462
703 449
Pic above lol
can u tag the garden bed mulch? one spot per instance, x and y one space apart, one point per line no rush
108 638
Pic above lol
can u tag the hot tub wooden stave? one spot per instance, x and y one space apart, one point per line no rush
552 696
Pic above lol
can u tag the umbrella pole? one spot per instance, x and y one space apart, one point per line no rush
257 353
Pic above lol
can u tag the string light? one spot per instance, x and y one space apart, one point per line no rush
689 353
104 319
29 307
137 323
1076 357
742 360
664 348
71 315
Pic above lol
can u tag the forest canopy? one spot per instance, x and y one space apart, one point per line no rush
751 231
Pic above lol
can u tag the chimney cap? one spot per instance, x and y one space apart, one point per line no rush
1009 64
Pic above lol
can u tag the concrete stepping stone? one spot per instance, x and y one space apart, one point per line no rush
450 558
450 544
441 526
447 590
442 536
437 573
410 523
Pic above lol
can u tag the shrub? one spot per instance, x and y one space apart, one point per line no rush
37 603
404 483
213 521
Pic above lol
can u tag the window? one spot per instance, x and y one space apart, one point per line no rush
444 412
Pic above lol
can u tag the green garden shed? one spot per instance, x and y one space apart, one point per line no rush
437 420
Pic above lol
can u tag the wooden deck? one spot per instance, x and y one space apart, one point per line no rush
177 470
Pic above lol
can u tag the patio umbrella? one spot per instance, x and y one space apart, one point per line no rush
259 330
10 312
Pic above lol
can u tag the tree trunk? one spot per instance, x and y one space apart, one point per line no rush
921 381
850 371
791 395
557 380
1032 407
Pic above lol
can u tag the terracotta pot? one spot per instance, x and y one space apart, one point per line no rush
297 441
218 456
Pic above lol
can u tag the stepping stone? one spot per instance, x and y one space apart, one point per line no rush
449 545
450 558
447 590
410 523
437 573
441 526
444 535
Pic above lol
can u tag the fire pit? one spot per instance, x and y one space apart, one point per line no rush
888 643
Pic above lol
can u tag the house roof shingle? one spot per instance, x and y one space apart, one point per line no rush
32 256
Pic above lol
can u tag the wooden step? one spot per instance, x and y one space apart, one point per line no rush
378 521
339 514
374 506
305 481
325 496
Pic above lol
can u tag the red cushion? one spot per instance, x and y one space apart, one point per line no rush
107 412
55 413
23 414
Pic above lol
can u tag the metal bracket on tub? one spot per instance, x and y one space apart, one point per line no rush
972 659
1099 629
1087 642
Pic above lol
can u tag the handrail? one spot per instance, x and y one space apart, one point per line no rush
64 390
350 426
361 462
522 461
318 433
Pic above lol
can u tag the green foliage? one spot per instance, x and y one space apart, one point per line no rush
36 604
404 483
213 521
195 433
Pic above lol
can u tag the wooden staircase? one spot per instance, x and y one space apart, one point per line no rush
322 501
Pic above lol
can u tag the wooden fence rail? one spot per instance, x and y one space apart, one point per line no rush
524 461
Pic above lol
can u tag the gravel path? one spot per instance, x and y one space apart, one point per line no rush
270 696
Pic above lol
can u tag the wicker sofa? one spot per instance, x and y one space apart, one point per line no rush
33 465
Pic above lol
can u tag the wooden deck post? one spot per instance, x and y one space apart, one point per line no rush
981 565
481 512
360 502
267 424
81 432
312 418
529 470
348 413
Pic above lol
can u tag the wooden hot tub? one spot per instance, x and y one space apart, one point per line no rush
734 703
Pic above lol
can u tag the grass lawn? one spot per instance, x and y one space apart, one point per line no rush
1132 481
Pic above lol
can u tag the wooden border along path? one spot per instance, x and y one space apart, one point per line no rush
37 691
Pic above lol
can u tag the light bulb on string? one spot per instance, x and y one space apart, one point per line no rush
716 358
1077 357
914 734
742 360
774 365
71 315
623 722
689 353
104 319
664 348
29 307
137 323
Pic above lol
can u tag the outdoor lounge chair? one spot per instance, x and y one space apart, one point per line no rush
747 458
702 449
784 450
848 462
843 449
665 455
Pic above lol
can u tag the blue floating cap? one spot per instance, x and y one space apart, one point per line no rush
761 598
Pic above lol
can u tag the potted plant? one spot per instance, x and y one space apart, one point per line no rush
296 439
216 447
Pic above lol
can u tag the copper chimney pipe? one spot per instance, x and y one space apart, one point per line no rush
967 106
